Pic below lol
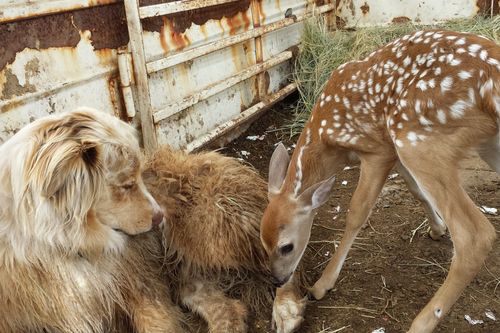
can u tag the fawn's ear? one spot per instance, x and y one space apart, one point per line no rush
277 169
317 194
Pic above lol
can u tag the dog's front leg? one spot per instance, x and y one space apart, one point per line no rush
223 314
154 315
288 307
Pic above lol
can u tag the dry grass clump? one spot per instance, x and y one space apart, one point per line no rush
323 51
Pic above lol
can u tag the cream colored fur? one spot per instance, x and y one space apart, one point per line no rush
67 262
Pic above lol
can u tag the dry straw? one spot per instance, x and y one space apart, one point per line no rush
323 51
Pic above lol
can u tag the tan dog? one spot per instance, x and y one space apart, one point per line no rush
213 252
71 193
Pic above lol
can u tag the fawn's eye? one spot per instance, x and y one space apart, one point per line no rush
286 249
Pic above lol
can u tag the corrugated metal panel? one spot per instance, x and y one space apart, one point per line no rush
40 82
197 87
380 12
12 10
210 69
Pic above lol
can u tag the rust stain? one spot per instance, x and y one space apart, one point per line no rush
203 30
105 56
235 57
234 24
163 38
267 82
400 19
13 87
365 8
278 5
100 2
107 25
11 106
114 97
246 20
183 20
484 7
249 51
261 11
350 5
179 40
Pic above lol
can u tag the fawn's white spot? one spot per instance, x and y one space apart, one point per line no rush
441 116
446 84
474 48
464 75
483 55
457 110
422 85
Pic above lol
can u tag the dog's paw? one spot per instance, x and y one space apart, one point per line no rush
230 318
288 313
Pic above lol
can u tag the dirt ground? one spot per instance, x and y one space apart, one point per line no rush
394 267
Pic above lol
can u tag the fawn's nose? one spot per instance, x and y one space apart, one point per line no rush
279 282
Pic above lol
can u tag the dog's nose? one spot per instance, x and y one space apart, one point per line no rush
157 217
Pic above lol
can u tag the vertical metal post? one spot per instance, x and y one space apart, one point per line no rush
141 75
259 57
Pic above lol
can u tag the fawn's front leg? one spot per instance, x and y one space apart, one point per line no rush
374 171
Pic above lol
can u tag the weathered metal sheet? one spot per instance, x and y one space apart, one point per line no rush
180 86
12 10
40 82
381 12
182 82
208 68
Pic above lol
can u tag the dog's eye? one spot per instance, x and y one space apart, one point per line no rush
285 249
128 186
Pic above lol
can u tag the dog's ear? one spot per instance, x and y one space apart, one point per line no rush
72 163
66 167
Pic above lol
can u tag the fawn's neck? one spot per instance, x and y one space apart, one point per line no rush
312 161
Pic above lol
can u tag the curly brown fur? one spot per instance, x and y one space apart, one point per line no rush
214 204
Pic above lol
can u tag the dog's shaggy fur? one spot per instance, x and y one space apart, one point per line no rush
212 245
70 194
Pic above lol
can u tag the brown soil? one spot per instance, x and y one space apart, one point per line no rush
394 267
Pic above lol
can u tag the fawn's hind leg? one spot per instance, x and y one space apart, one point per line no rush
223 314
434 167
490 153
438 228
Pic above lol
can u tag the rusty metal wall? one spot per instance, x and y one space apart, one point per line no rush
172 87
56 55
362 13
56 62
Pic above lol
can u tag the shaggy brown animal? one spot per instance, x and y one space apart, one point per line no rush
211 237
71 193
